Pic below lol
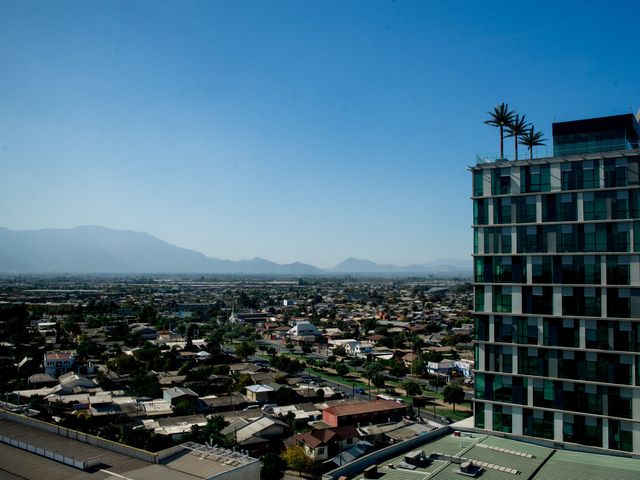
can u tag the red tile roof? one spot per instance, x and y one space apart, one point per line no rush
360 408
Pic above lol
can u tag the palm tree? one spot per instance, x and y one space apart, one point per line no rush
516 129
532 139
500 117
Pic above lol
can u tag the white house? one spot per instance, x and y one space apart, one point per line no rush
358 349
304 329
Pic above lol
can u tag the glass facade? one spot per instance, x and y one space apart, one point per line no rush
557 296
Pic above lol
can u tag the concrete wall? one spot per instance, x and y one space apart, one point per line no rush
385 454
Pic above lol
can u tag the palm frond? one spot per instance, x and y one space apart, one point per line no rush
517 127
531 138
501 116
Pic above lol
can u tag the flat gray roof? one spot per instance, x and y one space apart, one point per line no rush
501 458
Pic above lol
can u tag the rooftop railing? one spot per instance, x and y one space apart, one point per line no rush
558 151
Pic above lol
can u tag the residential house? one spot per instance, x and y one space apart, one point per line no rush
57 363
378 411
260 393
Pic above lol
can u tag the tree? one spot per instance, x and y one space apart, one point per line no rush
273 466
306 348
437 382
500 117
297 459
342 369
453 394
378 380
515 129
532 139
246 349
412 388
211 432
398 369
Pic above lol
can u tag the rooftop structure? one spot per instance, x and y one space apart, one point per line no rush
455 456
34 450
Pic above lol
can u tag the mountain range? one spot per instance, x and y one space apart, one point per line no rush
92 249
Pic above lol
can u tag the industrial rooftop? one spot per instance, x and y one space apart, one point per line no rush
496 458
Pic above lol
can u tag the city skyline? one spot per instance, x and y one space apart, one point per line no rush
288 131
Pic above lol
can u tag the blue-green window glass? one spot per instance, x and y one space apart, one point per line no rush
620 204
620 435
502 210
479 414
597 334
580 301
567 207
505 240
636 236
479 298
561 332
567 238
594 205
595 238
535 178
622 335
475 241
590 174
571 175
615 172
482 327
502 418
501 181
480 212
619 236
502 299
478 183
618 270
478 269
525 209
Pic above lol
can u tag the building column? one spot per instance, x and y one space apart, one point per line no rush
516 420
557 426
481 354
555 179
605 433
557 300
583 334
486 183
635 270
490 210
516 300
515 180
530 393
580 201
538 209
488 416
492 328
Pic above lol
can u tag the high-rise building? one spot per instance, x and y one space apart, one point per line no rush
557 289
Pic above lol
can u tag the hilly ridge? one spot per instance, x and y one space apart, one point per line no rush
93 249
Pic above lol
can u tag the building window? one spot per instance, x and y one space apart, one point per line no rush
535 178
479 298
501 181
478 183
615 172
480 212
594 205
502 299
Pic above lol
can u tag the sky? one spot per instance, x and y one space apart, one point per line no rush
295 130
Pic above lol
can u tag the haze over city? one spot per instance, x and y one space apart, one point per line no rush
292 131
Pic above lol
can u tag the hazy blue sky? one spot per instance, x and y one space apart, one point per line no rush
296 130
